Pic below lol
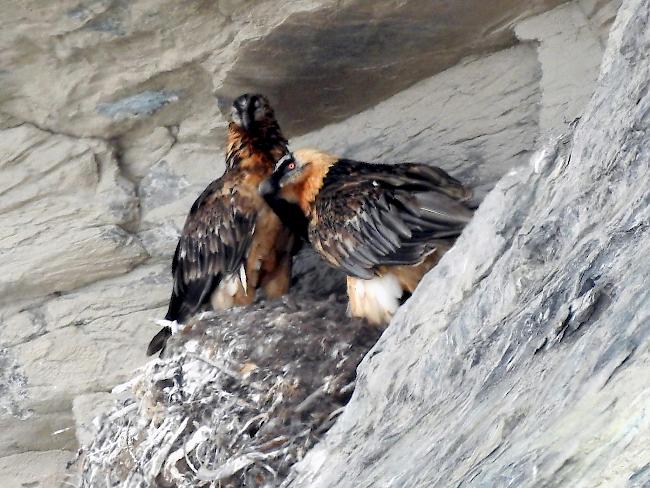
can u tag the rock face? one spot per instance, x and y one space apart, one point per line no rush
530 366
64 209
456 129
379 49
119 65
109 128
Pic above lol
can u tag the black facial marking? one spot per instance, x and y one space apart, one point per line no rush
284 166
290 213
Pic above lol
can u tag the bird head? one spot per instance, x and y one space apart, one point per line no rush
283 203
298 177
251 112
285 171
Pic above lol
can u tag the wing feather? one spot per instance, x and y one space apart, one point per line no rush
371 215
215 241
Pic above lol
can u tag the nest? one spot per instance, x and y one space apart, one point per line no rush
240 398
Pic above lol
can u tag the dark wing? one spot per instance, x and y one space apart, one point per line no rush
371 215
214 243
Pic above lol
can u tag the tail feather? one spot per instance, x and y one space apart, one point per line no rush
159 341
181 306
376 299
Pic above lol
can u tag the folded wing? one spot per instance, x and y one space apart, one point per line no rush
214 244
371 215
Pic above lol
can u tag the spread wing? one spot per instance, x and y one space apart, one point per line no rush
214 243
370 215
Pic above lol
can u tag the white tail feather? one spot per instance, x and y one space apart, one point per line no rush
376 299
172 324
242 278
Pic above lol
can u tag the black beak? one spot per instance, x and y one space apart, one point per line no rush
290 214
268 187
246 121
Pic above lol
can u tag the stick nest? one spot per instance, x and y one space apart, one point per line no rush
240 397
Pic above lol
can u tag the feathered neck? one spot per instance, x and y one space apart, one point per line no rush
242 145
305 191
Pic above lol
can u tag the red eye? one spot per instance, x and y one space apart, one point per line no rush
291 166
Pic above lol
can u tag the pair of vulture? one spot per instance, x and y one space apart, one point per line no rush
384 225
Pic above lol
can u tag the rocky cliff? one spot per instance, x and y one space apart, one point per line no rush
110 124
522 359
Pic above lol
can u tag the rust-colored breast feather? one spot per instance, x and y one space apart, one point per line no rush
255 154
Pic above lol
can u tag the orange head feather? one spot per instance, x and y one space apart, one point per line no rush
300 179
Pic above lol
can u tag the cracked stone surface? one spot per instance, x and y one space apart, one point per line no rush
563 96
83 341
111 124
118 65
37 469
65 209
458 129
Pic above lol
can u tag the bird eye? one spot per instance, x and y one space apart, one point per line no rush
291 166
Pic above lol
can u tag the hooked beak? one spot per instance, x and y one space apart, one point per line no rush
246 121
268 187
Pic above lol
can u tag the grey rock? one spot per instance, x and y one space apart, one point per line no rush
144 103
93 54
78 343
12 386
522 359
91 204
379 49
44 469
140 149
567 64
87 410
160 186
168 190
601 14
450 120
65 210
46 429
